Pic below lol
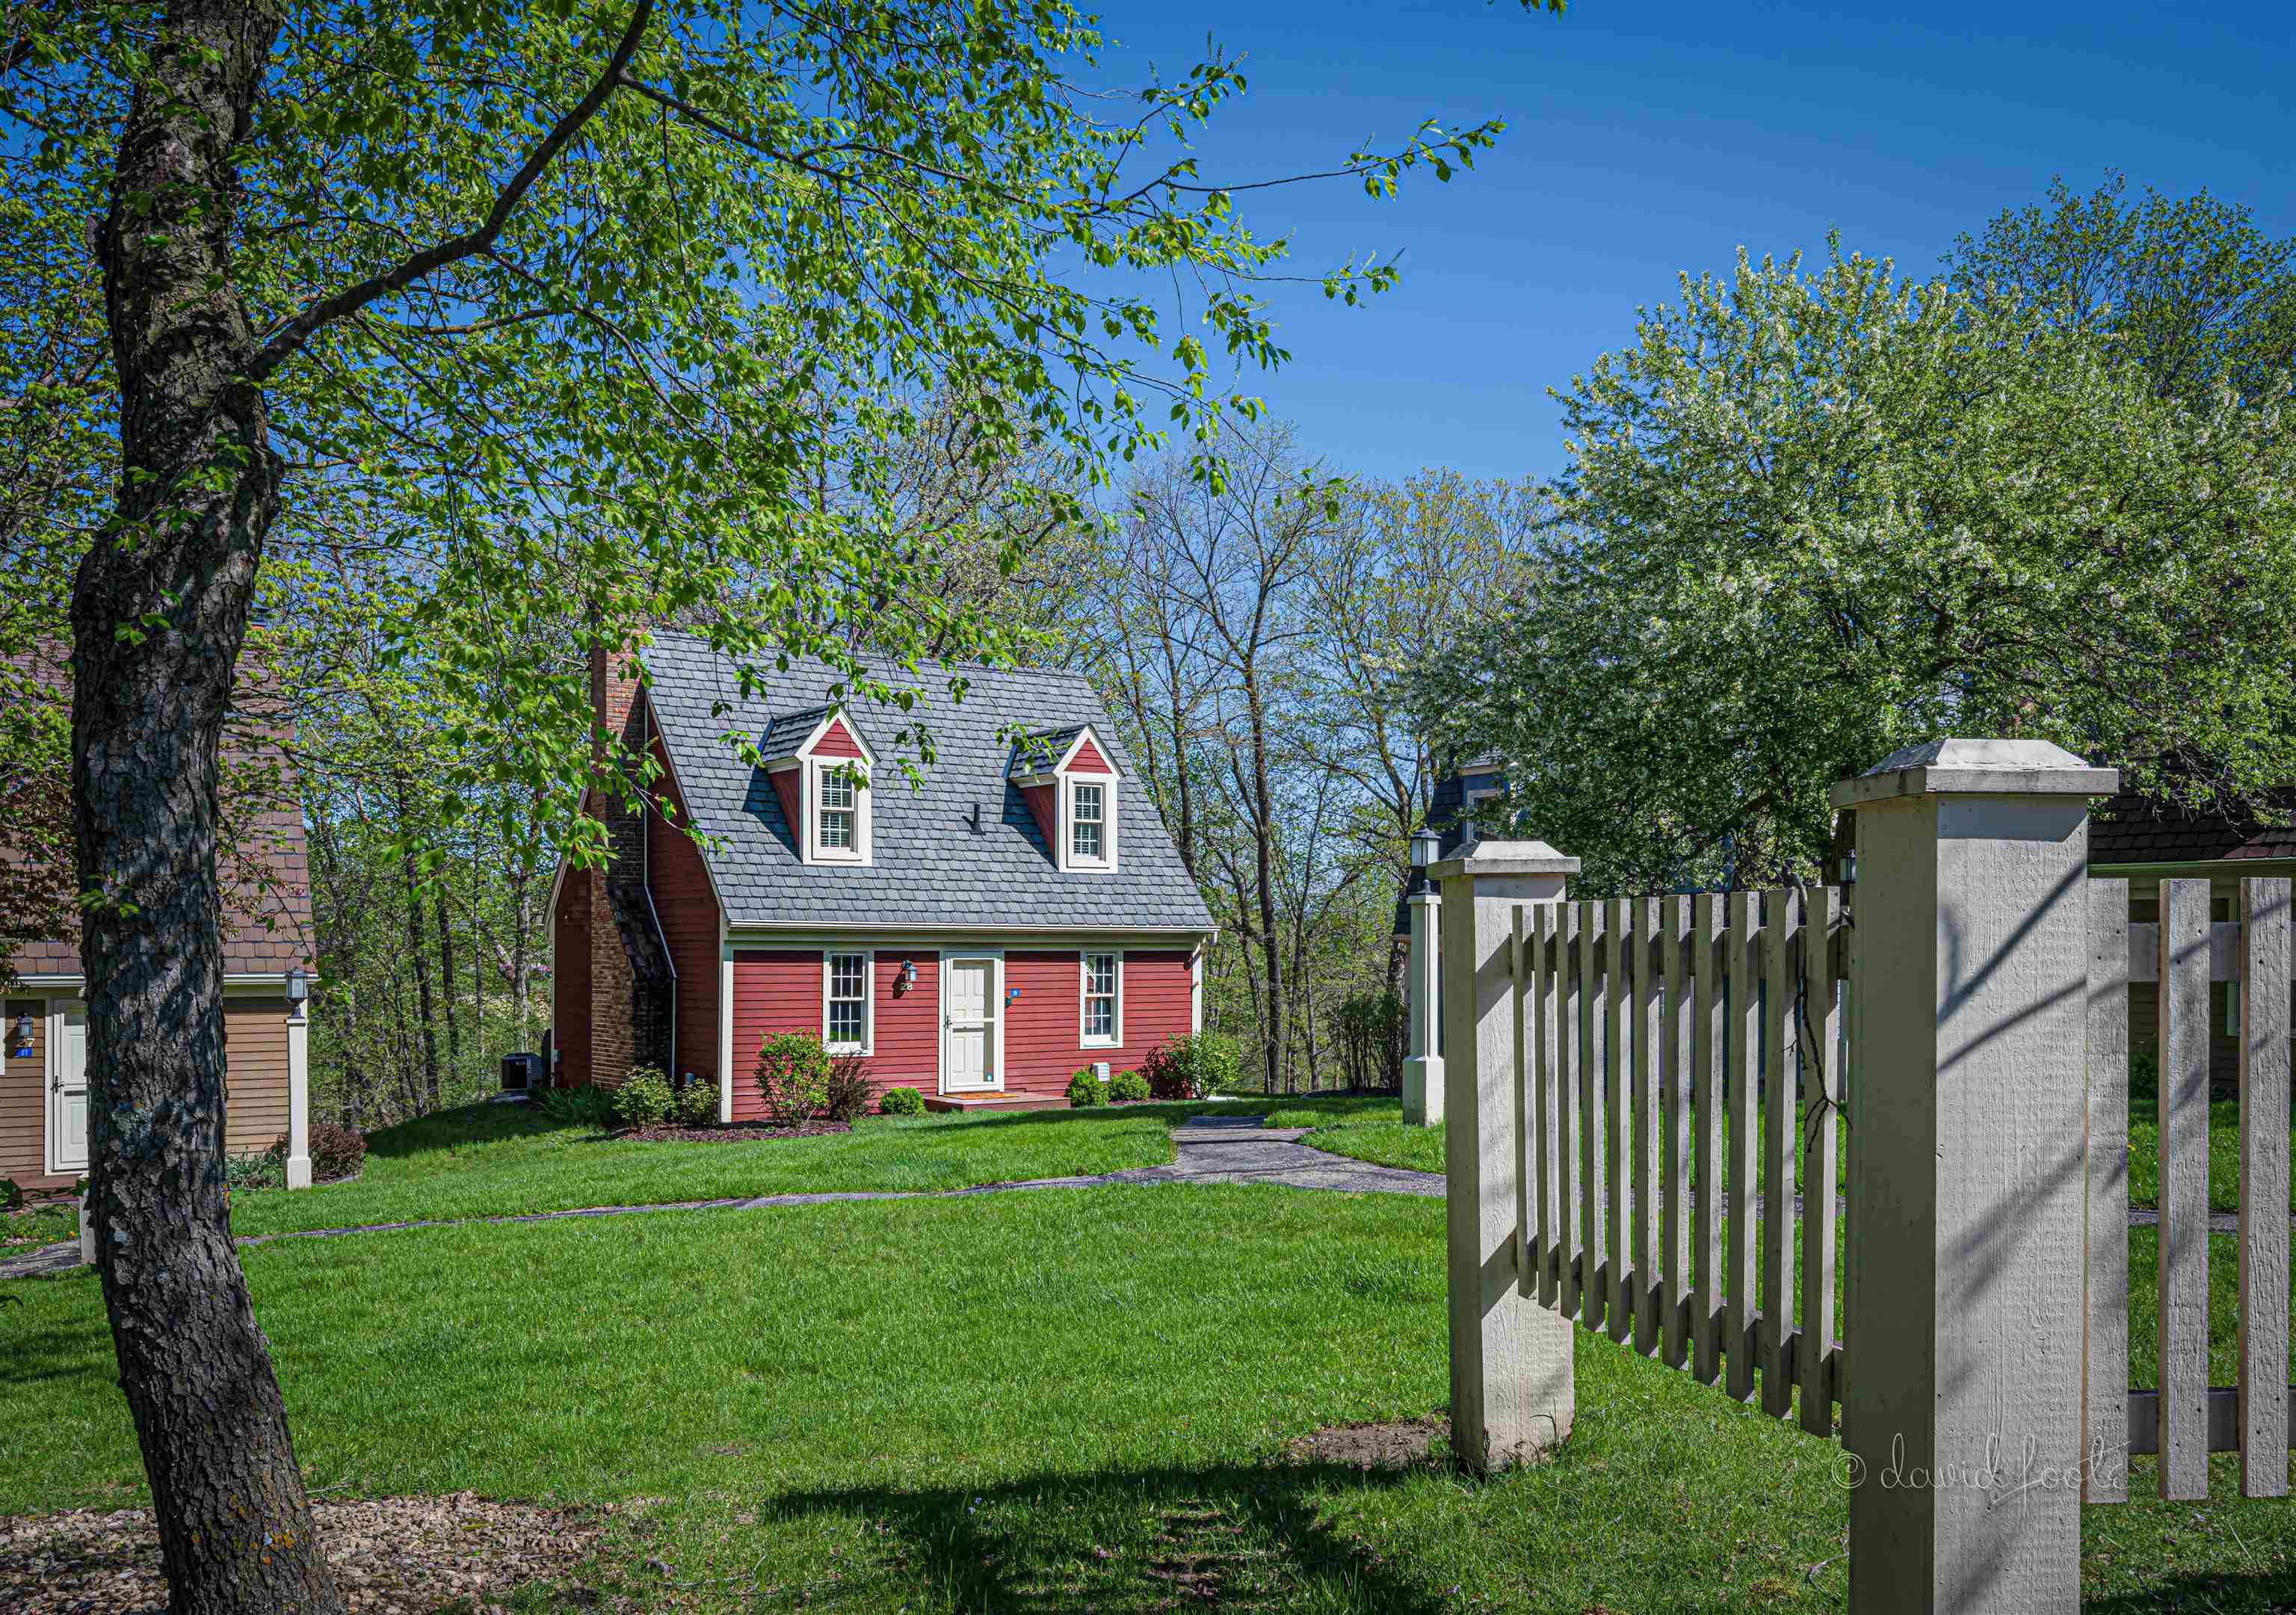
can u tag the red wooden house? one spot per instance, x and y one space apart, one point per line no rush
980 936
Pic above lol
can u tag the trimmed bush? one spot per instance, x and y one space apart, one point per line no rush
848 1098
335 1152
902 1102
697 1103
645 1099
1127 1087
793 1077
584 1106
1192 1067
1086 1090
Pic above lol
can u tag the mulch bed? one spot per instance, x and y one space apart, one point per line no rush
740 1132
396 1555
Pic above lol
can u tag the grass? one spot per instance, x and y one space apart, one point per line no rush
1031 1403
1377 1134
497 1160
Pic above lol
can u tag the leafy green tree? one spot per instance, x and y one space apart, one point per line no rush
2190 289
1811 518
569 304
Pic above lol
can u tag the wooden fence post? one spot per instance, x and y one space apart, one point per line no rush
1511 1372
1967 1121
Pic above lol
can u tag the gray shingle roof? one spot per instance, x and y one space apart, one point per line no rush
789 731
932 867
1040 750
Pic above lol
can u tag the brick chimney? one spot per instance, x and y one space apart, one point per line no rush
631 979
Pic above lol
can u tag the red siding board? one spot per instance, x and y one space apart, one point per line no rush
786 783
836 741
779 990
1088 760
1041 804
682 900
1044 1038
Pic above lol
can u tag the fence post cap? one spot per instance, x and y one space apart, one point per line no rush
1495 858
1982 767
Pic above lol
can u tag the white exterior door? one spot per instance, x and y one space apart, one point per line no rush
968 1040
68 1090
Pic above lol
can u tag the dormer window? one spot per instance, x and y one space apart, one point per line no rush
838 837
1070 784
1088 824
819 768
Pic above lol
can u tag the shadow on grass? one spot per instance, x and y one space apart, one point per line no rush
2266 1594
1226 1538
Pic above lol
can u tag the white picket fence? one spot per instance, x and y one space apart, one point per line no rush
1635 1090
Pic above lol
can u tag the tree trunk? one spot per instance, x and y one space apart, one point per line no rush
421 966
1263 836
159 614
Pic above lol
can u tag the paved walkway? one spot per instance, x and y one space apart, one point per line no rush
1206 1150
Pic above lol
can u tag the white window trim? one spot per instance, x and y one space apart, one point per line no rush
950 958
1110 839
859 853
868 958
1085 956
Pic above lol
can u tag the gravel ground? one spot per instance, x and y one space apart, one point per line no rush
396 1555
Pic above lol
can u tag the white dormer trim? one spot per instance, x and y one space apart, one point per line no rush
1095 804
817 777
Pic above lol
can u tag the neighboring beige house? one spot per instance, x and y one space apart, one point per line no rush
267 961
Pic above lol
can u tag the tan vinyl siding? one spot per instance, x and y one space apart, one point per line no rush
254 1036
23 1099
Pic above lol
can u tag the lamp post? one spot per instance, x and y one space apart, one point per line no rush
1423 1071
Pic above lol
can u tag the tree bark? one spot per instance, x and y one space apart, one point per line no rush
421 968
159 614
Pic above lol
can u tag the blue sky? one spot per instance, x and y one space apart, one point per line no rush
1649 136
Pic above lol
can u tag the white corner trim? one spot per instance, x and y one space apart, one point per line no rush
724 1024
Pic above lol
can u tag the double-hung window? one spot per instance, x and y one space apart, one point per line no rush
846 1003
838 811
1088 823
1103 998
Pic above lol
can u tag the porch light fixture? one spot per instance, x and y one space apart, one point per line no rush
908 974
299 985
20 1045
1424 845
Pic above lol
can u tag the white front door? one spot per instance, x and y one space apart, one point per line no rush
969 1026
68 1090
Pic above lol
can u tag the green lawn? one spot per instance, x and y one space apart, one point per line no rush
495 1161
1376 1132
1034 1403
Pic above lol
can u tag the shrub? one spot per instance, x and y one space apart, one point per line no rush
12 1195
583 1105
1086 1090
1192 1067
793 1077
335 1152
1127 1087
255 1168
848 1095
697 1103
902 1102
645 1099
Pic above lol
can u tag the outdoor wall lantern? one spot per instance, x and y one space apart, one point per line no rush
908 978
1424 845
20 1045
299 985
